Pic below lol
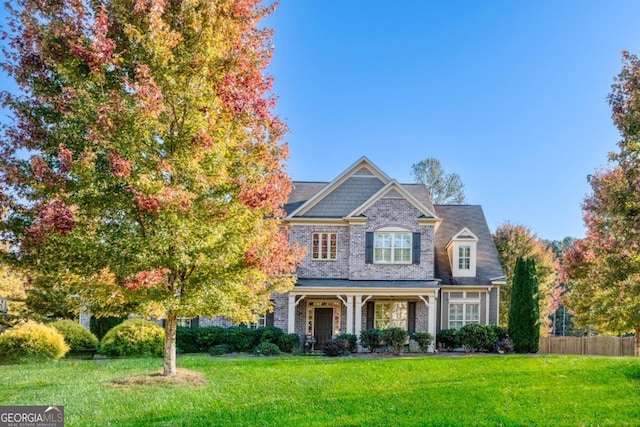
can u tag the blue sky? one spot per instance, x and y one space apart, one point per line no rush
510 95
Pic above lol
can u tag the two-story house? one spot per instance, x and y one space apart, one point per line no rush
380 254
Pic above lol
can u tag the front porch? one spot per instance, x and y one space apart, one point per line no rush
324 309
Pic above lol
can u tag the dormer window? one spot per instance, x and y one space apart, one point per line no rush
464 257
462 253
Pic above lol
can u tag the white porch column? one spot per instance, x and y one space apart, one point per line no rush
432 320
487 307
349 314
358 309
291 325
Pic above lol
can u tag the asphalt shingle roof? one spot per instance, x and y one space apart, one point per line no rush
454 219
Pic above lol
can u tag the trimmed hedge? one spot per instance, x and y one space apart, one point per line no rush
474 337
353 341
371 339
394 338
76 336
99 326
133 337
267 349
32 342
237 338
424 339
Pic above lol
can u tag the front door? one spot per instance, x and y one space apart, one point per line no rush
322 326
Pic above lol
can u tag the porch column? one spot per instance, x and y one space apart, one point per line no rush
358 309
291 326
432 320
349 314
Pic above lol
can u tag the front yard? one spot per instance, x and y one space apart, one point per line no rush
459 390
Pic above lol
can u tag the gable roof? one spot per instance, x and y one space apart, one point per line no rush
389 189
353 188
365 179
455 219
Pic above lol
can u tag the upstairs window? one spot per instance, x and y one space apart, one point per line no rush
325 246
392 248
464 257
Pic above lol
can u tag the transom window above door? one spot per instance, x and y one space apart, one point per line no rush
392 247
324 246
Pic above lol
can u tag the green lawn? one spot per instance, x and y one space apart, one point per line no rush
463 390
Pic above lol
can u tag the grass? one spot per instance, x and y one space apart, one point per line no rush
250 391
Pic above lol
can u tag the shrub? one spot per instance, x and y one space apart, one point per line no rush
240 338
269 334
501 333
504 345
353 341
32 342
424 339
289 342
219 350
134 337
447 339
394 338
335 347
371 339
267 349
199 340
475 337
99 326
75 335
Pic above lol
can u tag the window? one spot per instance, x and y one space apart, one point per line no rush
464 257
324 246
391 315
262 321
185 322
461 314
392 248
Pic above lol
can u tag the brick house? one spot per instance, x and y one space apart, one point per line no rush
380 254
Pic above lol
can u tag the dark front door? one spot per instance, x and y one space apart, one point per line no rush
322 325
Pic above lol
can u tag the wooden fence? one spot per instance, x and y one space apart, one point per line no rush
598 345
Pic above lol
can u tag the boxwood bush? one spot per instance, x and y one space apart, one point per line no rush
424 339
447 339
371 339
75 335
32 342
474 337
394 338
289 342
352 340
267 349
99 326
133 337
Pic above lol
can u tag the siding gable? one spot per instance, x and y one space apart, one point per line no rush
345 198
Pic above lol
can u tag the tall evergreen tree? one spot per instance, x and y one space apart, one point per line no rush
524 324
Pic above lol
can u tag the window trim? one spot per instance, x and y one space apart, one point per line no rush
464 320
332 238
393 232
377 319
464 257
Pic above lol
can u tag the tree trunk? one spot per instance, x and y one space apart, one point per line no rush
636 342
170 344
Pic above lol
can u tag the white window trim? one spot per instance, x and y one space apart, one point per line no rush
393 231
464 304
184 322
331 236
406 319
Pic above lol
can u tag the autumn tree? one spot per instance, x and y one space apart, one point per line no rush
524 316
444 188
604 268
13 289
513 241
154 180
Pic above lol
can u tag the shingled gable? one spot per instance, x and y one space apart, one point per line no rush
362 169
396 190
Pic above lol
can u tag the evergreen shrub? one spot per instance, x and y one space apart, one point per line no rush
394 338
133 337
424 339
32 342
371 339
76 336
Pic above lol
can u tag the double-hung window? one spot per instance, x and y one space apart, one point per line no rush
461 314
324 246
464 257
392 247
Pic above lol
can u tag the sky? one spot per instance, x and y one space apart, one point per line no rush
511 95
